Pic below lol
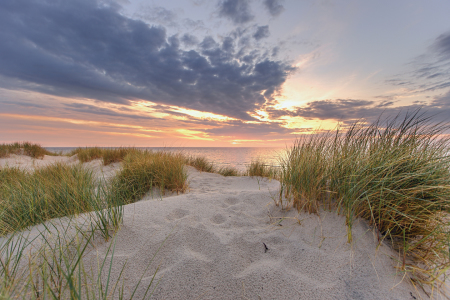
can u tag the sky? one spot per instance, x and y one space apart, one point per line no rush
215 73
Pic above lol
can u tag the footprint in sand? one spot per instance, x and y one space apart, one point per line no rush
177 214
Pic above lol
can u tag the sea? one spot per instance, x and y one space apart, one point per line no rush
238 157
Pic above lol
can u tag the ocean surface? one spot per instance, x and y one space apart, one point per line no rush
238 157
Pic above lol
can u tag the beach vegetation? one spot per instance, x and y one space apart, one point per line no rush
201 163
144 170
228 171
58 261
108 155
30 198
394 174
259 168
24 148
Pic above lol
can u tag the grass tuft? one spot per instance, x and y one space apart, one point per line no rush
31 198
201 163
261 169
143 170
395 174
24 148
87 154
228 171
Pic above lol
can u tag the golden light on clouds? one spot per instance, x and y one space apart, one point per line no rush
163 111
194 134
79 122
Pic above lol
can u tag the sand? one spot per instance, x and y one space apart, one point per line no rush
226 239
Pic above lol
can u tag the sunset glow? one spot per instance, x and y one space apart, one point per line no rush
215 73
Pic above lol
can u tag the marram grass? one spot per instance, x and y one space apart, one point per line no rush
395 174
108 155
228 171
56 269
201 163
25 148
144 170
52 192
260 168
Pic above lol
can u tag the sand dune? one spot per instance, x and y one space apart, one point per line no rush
226 239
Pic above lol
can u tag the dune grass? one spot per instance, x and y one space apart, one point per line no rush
394 174
24 148
201 163
144 170
51 192
52 264
58 197
108 155
260 168
228 171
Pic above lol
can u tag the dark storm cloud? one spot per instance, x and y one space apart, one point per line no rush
88 49
261 32
274 7
238 11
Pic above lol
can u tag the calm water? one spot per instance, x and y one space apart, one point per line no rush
221 156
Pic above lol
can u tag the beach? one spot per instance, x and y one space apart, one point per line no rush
226 238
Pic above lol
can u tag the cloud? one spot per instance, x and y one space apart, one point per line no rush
189 40
442 45
261 32
251 130
237 11
429 71
158 15
339 109
350 110
92 109
274 7
87 49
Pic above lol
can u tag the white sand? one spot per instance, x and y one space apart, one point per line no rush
216 247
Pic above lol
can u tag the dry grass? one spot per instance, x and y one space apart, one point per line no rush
25 148
201 163
228 171
143 170
54 267
395 174
261 169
